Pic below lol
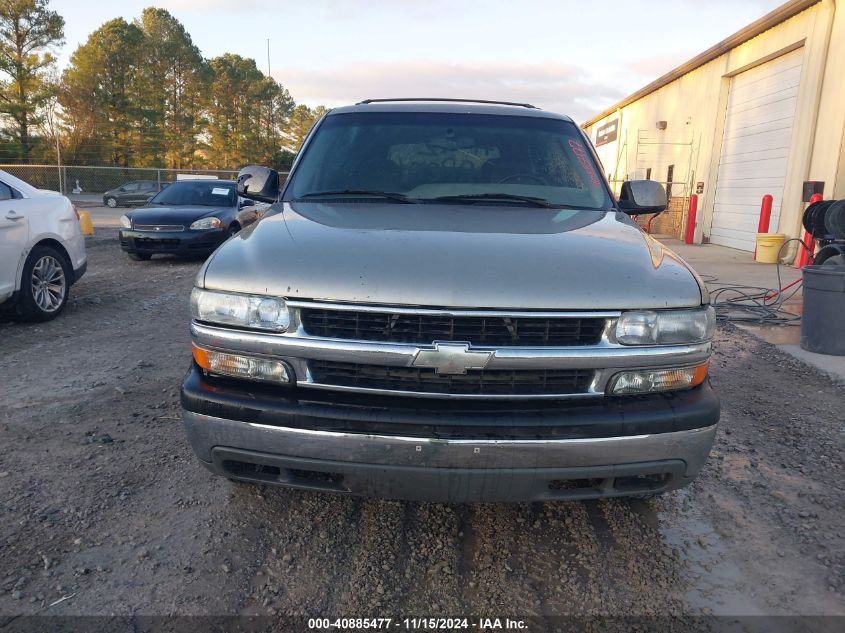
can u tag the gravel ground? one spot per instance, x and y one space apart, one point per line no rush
105 509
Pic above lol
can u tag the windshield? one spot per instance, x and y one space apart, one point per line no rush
197 193
437 156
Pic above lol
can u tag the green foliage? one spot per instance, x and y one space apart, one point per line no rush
140 94
302 119
171 82
100 96
245 113
28 30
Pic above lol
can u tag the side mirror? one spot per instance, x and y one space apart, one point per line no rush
246 202
642 196
258 183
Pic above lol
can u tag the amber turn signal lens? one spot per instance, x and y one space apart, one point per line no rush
700 374
201 356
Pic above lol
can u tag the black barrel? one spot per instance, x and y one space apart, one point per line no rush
823 319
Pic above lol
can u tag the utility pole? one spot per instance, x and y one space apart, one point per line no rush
59 162
53 127
271 120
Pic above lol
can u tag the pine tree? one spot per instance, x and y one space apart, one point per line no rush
28 32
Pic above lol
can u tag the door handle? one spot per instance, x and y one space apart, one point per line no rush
11 215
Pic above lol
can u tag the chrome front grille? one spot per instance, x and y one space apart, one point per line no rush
495 382
159 227
480 331
434 369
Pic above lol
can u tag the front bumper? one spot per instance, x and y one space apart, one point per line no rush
616 447
184 243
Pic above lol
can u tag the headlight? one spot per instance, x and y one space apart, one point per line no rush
239 366
125 222
656 380
206 223
251 311
666 327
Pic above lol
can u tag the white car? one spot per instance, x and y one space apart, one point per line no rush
42 249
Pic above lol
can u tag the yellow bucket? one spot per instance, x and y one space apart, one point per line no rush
768 247
85 223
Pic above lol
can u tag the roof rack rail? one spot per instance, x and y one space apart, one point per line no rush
508 103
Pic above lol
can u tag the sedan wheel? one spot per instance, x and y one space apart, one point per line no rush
111 202
48 284
48 276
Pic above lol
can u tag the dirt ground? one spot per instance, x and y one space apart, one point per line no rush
106 512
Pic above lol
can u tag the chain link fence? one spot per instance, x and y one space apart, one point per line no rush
70 179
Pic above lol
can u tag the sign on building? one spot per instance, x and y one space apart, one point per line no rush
607 132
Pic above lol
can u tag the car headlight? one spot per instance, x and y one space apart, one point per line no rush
240 366
206 223
250 311
666 327
125 222
657 380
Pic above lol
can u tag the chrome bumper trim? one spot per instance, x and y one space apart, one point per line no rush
591 393
206 432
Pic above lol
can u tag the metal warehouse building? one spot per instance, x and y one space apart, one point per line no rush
762 112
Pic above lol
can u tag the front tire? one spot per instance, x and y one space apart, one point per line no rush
44 285
140 257
111 203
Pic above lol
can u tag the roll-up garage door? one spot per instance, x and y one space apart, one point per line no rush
755 149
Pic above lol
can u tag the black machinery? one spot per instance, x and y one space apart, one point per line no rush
825 221
822 326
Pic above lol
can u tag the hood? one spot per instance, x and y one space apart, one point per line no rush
174 215
453 256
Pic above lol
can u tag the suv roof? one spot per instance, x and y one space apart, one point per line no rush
504 108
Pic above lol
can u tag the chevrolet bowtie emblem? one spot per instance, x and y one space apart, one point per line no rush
451 358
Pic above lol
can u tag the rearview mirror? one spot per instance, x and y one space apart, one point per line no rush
258 183
642 196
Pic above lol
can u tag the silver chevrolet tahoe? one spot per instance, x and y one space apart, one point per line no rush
446 302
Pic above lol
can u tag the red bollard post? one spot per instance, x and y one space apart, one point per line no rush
765 218
805 256
693 211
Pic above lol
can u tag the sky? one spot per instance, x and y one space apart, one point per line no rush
575 58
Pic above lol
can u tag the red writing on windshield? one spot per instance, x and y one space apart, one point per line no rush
581 154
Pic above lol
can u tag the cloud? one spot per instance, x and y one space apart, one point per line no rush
553 86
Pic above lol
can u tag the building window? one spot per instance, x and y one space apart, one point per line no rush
648 174
670 173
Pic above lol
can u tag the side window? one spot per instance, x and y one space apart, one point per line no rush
6 192
130 186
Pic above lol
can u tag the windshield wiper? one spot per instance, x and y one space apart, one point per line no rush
398 197
470 197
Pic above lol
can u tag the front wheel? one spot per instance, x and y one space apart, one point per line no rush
111 202
44 285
